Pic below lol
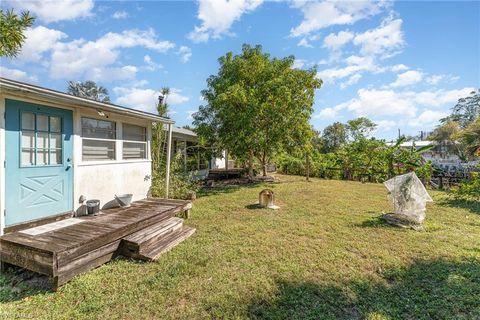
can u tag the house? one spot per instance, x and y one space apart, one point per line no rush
440 155
58 148
196 158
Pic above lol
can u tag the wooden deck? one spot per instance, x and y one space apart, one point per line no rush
90 242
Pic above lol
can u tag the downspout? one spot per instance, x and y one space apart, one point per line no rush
169 155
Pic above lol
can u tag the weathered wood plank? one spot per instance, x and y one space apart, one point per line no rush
156 249
66 266
31 259
63 278
36 242
145 237
117 234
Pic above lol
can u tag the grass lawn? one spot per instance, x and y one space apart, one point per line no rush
324 254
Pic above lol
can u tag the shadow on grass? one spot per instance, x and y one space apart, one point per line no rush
253 206
17 283
376 222
427 289
471 205
211 191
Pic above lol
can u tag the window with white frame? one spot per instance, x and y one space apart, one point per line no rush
98 139
134 142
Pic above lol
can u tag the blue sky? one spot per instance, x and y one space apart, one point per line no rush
402 64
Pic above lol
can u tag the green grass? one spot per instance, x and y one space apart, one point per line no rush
324 254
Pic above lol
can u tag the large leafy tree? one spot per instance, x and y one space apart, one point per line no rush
470 138
466 111
257 105
360 128
88 89
12 31
333 137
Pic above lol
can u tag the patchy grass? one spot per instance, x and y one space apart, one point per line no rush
324 254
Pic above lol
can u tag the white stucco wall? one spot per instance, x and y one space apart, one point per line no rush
103 181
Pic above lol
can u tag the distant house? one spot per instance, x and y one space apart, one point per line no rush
440 155
195 157
57 149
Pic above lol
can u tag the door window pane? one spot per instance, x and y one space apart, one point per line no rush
55 141
28 139
55 157
42 122
42 140
55 124
28 157
42 157
28 121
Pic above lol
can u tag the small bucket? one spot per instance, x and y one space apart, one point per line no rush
124 200
93 206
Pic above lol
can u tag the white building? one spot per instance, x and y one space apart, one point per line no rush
56 149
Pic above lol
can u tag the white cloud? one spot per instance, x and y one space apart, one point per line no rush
427 118
79 57
399 67
16 74
352 80
140 99
176 97
336 41
408 78
381 102
54 10
39 40
319 15
304 43
435 79
151 65
326 113
185 53
146 99
217 17
384 41
385 125
387 102
355 65
441 97
121 73
119 15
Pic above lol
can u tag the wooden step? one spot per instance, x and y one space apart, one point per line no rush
156 249
144 238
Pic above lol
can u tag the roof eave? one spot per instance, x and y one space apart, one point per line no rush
79 101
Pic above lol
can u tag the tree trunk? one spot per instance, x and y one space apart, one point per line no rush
307 166
264 165
250 165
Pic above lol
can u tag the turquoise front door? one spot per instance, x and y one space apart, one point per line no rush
38 166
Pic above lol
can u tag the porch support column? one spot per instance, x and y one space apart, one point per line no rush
169 156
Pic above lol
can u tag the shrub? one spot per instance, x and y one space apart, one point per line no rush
181 184
470 189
